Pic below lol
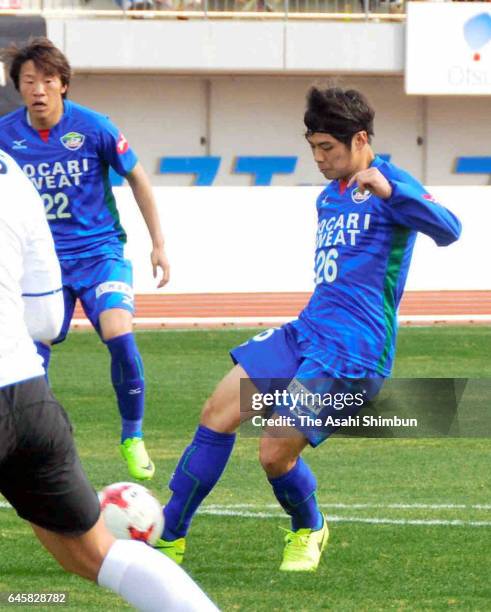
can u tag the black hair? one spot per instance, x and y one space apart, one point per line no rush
340 113
46 57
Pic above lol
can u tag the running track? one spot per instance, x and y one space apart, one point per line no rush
266 309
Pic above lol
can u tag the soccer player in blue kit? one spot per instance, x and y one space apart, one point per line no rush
67 150
368 218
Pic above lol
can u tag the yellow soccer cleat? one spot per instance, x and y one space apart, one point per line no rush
174 549
135 454
303 549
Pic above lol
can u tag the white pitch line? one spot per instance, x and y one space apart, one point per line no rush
197 321
365 506
233 510
401 506
257 321
350 519
442 318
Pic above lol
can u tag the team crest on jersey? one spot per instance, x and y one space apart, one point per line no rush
72 140
359 197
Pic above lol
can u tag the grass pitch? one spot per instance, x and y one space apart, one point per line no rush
410 519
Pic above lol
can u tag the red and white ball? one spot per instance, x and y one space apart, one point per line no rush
131 512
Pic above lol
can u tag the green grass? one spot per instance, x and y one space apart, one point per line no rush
368 566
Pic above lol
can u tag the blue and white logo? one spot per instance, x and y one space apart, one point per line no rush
19 144
477 33
358 197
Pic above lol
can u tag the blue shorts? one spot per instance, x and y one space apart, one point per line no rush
99 284
282 360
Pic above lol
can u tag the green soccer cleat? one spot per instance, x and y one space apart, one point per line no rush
174 549
135 454
303 549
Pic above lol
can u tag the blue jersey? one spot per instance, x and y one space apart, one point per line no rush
71 172
363 250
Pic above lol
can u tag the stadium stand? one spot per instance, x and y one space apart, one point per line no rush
203 8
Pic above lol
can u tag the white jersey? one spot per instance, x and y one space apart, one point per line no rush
29 275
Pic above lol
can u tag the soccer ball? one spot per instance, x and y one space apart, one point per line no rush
131 512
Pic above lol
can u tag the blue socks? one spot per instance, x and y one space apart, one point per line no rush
128 382
197 472
44 350
201 466
296 492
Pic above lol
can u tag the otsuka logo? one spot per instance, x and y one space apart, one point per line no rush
477 33
122 145
72 141
430 198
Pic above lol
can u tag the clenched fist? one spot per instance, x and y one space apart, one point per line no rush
372 180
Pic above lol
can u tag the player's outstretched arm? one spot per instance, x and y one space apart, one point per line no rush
412 206
142 191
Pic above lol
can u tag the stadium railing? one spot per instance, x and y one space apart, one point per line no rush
216 9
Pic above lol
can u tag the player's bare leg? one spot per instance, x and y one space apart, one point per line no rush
279 449
82 555
129 385
222 411
123 566
115 322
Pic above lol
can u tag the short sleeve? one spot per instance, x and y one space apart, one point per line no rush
114 149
